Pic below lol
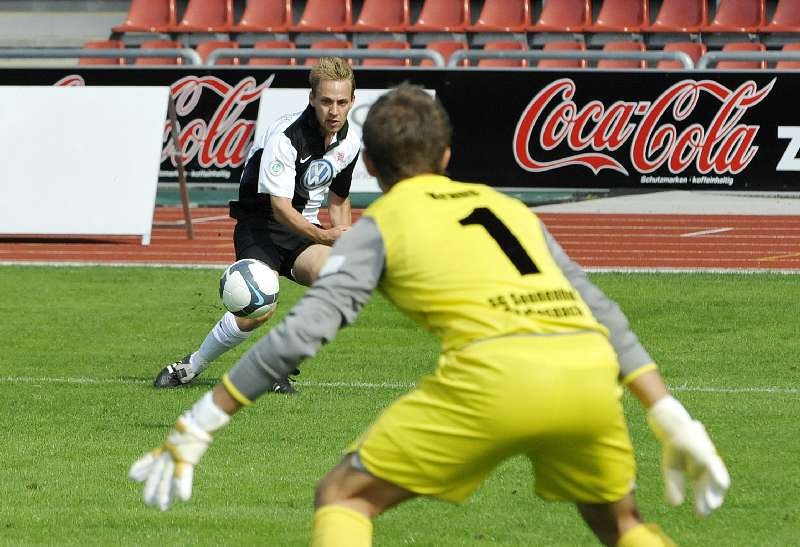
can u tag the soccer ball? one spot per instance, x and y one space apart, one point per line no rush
248 288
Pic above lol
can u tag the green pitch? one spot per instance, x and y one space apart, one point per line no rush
80 346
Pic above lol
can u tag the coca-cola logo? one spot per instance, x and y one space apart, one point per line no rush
552 121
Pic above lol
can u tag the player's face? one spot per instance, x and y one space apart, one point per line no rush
332 101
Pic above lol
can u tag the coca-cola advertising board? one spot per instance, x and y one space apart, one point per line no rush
518 128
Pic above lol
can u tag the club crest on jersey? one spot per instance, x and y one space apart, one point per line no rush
318 174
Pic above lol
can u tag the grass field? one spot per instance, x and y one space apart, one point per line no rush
80 346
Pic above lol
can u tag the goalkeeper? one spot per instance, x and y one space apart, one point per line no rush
532 356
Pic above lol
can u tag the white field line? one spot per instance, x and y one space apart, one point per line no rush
198 220
361 385
707 232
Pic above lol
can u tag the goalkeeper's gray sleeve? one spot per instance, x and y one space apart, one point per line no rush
344 286
630 352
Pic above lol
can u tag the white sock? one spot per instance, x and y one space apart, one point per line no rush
224 336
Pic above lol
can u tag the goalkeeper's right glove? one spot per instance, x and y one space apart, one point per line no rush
687 450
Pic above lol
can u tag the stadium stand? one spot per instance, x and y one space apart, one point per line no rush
621 16
680 16
102 44
565 45
206 16
742 65
786 17
504 45
383 16
325 16
159 44
206 47
273 61
789 65
265 16
564 16
387 44
627 45
738 16
148 16
503 16
443 16
328 44
446 48
695 50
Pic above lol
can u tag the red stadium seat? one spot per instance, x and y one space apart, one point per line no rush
621 16
205 48
446 48
325 16
328 44
265 16
680 16
206 16
102 44
738 16
564 16
387 44
503 16
159 44
148 16
383 16
695 50
443 16
569 45
625 45
743 65
786 17
789 65
504 45
273 61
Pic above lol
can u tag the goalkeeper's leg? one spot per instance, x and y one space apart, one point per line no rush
619 524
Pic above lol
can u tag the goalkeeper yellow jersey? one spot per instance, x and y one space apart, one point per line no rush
469 263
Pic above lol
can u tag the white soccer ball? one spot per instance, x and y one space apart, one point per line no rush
249 288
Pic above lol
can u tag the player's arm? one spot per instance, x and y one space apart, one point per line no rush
339 196
687 449
344 286
296 222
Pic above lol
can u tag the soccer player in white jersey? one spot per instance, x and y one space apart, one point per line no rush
532 358
291 167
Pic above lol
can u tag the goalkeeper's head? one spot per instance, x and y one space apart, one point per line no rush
407 132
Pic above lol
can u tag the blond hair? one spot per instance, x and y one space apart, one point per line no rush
331 68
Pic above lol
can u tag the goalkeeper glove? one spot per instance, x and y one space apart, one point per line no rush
168 471
688 451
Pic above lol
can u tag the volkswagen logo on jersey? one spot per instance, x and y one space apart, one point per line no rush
318 174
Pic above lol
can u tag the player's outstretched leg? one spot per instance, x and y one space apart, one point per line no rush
619 524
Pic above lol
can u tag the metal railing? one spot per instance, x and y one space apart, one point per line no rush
288 53
188 54
460 55
714 57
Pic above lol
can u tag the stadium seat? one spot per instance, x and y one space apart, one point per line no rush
621 16
206 16
625 45
387 44
148 16
328 44
786 17
738 16
325 16
443 16
743 65
446 48
695 50
265 16
564 16
273 61
503 16
159 44
383 16
789 65
680 16
504 45
569 45
205 48
102 44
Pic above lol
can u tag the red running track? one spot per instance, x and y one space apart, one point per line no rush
602 241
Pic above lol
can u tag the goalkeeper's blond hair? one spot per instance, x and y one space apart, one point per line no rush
331 68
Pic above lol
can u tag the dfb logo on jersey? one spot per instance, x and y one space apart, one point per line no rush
318 174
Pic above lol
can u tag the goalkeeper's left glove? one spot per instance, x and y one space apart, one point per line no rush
688 450
168 470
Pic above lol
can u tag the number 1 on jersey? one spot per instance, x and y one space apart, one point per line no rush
507 241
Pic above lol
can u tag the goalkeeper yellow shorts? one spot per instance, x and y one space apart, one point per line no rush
553 398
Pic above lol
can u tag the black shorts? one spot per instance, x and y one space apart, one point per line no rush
274 244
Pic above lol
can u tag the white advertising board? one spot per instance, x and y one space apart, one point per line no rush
80 160
275 103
